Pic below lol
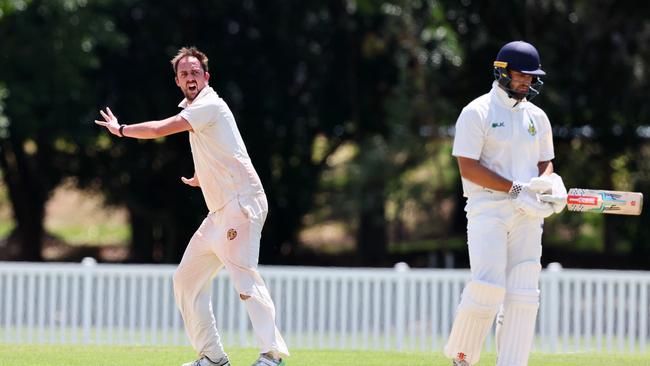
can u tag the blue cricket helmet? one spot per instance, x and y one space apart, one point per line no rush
523 57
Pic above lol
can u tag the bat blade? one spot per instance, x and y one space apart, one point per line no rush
602 201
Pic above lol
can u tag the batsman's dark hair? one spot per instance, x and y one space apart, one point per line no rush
193 52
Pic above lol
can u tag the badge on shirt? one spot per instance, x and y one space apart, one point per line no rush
231 234
498 124
531 127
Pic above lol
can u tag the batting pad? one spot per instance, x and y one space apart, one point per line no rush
478 305
515 335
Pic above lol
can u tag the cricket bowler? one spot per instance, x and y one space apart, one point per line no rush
230 234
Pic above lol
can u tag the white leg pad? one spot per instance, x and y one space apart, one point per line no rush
474 317
520 314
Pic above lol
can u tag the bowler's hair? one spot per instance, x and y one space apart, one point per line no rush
190 51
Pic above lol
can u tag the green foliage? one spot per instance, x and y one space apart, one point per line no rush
6 226
98 234
383 54
49 51
9 6
345 107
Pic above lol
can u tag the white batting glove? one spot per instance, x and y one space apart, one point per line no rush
527 201
542 185
552 189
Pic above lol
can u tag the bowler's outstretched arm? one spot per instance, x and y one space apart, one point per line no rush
144 130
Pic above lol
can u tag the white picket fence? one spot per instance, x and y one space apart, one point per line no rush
366 309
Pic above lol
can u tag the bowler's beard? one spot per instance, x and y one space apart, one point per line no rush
189 95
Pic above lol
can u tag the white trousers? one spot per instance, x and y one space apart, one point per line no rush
505 248
227 238
499 238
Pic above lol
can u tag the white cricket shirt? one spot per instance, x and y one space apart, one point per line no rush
508 138
221 162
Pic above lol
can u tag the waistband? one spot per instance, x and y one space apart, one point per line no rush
238 197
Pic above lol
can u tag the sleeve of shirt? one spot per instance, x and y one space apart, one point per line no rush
546 152
469 137
200 115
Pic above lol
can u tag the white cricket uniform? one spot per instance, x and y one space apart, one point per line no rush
230 234
510 141
504 244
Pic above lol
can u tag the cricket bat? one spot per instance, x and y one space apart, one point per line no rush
601 201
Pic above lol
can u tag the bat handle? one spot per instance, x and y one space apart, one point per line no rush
552 199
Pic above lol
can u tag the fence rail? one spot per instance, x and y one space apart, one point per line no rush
408 309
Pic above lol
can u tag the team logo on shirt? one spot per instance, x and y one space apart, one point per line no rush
498 124
531 127
231 234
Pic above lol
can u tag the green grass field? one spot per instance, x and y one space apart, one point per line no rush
58 355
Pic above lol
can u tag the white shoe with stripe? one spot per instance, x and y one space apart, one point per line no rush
205 361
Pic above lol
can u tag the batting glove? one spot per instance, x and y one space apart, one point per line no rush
552 189
527 201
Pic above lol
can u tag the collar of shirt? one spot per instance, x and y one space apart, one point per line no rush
501 96
206 90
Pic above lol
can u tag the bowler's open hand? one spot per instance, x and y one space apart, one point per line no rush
192 182
110 121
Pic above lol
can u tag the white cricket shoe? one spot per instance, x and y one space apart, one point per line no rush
265 360
205 361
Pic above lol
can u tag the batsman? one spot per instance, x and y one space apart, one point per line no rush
504 147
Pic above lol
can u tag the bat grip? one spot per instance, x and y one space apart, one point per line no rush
551 199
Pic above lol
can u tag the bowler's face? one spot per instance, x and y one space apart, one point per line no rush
190 77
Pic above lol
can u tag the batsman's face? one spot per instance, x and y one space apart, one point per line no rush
520 82
190 77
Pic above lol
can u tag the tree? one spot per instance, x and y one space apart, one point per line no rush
47 52
291 124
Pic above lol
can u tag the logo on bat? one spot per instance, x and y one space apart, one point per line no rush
582 200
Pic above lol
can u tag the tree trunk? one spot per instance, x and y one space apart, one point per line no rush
372 242
28 198
142 237
178 232
279 230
